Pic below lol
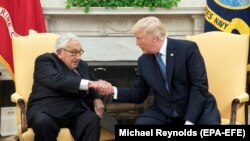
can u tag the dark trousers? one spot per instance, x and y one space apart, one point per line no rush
155 116
84 125
209 116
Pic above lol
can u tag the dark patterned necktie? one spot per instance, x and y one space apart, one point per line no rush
76 73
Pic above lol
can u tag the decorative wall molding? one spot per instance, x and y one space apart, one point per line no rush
123 11
105 29
117 22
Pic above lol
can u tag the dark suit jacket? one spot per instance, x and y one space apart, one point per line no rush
210 114
187 81
56 88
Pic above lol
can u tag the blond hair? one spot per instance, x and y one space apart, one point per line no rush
152 26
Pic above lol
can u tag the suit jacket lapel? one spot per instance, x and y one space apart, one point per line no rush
170 61
82 72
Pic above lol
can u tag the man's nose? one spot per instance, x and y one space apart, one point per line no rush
78 55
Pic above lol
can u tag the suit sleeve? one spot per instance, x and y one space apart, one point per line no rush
198 84
48 72
138 93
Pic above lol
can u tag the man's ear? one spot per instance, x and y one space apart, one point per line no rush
59 53
155 38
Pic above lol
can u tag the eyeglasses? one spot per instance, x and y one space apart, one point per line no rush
74 53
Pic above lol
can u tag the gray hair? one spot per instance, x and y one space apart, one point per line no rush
152 26
63 40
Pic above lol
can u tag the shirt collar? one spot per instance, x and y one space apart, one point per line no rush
163 49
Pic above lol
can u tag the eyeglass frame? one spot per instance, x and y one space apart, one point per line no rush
74 53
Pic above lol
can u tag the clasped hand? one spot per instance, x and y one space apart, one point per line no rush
102 87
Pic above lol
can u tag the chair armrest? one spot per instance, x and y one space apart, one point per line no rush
241 98
20 103
15 97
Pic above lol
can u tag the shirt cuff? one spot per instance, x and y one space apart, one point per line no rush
188 123
84 85
115 93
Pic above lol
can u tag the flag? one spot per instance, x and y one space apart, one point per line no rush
228 16
231 16
17 17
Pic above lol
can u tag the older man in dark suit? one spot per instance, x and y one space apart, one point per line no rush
62 96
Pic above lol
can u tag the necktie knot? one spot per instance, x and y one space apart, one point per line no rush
159 59
158 54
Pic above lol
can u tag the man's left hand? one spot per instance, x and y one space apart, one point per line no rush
99 107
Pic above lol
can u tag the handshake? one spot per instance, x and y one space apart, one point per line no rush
102 87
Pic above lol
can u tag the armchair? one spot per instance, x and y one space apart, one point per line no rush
25 51
225 56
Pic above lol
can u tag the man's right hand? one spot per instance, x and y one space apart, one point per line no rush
102 87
